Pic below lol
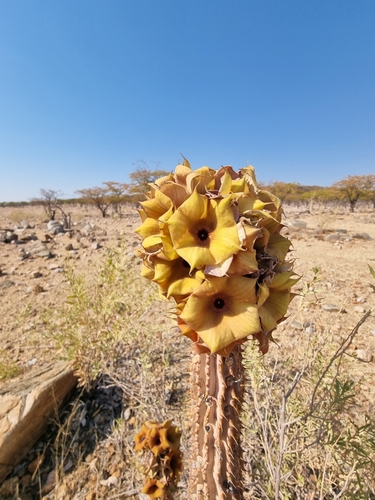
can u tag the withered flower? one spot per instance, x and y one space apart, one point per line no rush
154 488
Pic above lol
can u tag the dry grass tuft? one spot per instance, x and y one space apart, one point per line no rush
306 433
18 215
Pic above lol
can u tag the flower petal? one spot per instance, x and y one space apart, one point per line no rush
204 231
222 311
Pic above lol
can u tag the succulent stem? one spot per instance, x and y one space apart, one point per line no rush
217 396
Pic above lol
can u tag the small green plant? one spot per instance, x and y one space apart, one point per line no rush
8 368
310 287
372 271
101 315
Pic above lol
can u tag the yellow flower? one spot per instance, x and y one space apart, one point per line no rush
211 240
156 206
223 310
176 193
201 180
204 231
186 330
245 262
173 276
156 238
274 300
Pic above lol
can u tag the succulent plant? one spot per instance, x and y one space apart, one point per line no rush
211 241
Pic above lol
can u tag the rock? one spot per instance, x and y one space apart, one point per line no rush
359 300
8 236
297 325
6 284
331 307
26 406
24 255
309 327
68 465
50 482
25 496
359 309
89 228
333 237
39 248
43 237
364 355
362 236
95 246
46 254
11 236
35 464
9 487
55 227
54 266
36 274
37 289
296 224
127 413
69 247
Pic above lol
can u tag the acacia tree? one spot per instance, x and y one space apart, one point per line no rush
51 202
141 179
112 193
354 187
370 194
282 189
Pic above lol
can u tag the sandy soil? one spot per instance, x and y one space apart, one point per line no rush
339 245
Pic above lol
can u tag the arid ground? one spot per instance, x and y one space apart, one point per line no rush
331 252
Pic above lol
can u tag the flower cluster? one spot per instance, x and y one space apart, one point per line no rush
162 442
211 241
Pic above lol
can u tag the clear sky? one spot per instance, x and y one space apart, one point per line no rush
89 88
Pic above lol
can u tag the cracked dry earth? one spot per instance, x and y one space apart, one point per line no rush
94 458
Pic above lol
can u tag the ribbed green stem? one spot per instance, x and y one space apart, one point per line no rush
217 396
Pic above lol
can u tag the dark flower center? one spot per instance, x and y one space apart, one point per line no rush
186 264
219 303
202 234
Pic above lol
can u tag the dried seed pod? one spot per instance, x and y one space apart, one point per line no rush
160 443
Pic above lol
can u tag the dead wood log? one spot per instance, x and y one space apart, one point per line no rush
27 405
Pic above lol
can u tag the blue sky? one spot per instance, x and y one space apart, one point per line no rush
89 88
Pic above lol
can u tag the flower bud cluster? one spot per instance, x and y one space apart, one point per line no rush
161 444
211 241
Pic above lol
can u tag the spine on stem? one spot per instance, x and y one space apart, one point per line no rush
217 395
